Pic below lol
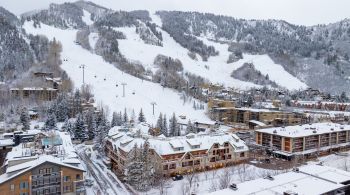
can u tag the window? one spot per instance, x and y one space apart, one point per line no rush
66 178
165 167
23 185
12 187
226 144
41 171
24 193
241 154
197 162
48 170
216 145
172 166
66 188
229 156
78 176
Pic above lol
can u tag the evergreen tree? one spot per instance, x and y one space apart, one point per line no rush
76 107
159 124
165 131
51 120
147 166
190 128
134 169
79 128
133 116
141 117
62 108
90 122
101 132
173 126
24 118
114 121
125 117
343 97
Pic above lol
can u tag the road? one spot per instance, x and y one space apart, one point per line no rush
101 179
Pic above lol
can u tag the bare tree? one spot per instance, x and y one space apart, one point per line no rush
224 180
161 182
191 177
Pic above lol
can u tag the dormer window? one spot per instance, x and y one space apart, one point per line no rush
216 145
226 144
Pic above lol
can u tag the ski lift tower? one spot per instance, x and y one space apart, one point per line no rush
153 104
83 67
124 89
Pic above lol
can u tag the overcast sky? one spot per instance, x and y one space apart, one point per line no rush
305 12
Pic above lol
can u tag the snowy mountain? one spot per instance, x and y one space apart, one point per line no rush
174 53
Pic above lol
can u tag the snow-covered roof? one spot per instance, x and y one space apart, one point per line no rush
180 144
6 142
33 89
258 123
310 180
13 171
26 151
246 109
318 102
305 130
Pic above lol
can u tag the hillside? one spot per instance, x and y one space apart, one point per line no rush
106 80
209 47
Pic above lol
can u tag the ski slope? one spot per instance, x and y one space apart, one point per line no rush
107 86
216 69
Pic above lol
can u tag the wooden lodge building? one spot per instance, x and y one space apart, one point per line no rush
178 155
45 94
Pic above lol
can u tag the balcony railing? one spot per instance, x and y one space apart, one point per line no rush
79 187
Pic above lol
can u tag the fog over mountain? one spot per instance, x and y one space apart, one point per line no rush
309 12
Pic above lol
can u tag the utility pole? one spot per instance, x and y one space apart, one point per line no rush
83 67
153 104
124 89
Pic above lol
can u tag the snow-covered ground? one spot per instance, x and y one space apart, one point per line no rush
215 69
107 80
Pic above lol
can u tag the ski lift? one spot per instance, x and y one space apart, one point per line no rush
116 85
133 92
95 76
105 79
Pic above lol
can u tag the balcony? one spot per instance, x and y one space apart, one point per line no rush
79 187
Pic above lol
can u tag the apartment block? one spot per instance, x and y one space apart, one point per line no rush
307 139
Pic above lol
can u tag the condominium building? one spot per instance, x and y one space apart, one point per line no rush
309 179
246 115
47 164
44 175
304 139
178 155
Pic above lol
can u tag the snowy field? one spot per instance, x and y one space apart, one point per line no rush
107 80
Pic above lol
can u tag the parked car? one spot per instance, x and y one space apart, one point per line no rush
269 177
177 177
233 186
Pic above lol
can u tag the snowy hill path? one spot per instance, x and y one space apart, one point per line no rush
138 94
